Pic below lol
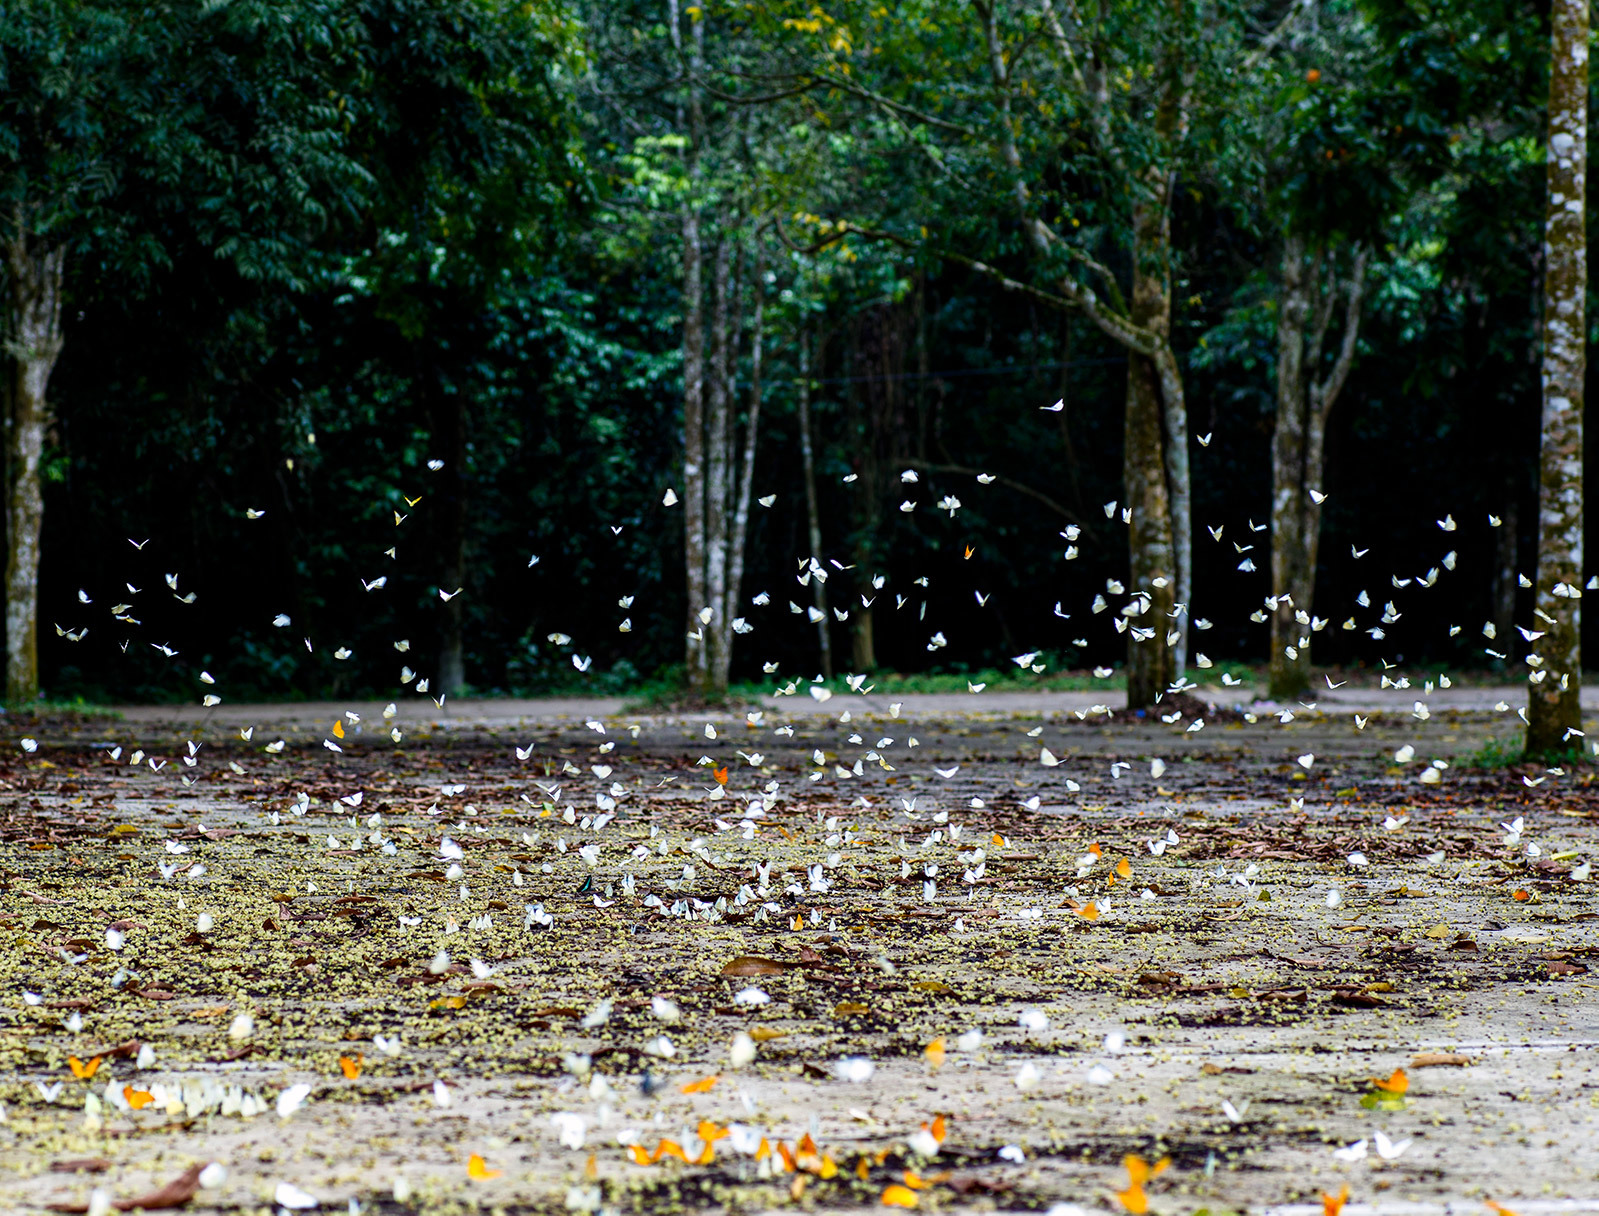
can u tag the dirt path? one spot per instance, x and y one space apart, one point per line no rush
1086 1011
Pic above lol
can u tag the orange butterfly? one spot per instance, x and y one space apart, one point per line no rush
1398 1083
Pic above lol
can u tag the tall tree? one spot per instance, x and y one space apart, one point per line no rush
1310 293
1075 126
1554 711
122 132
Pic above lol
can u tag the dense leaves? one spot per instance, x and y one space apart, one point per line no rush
318 245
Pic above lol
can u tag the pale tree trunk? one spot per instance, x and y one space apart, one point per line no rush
1553 709
695 673
1151 548
1309 295
746 477
694 449
1289 665
35 329
813 515
718 464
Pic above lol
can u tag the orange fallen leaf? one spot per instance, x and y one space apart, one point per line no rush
351 1067
1398 1083
81 1070
1331 1205
477 1168
898 1196
934 1052
720 774
137 1098
703 1086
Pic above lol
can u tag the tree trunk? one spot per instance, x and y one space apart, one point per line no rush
1309 295
813 515
695 672
718 464
1152 554
35 327
1289 663
746 478
1553 710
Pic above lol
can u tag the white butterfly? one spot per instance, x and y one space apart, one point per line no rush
1387 1149
947 773
447 596
1056 408
1204 440
522 753
669 499
582 664
1317 497
767 500
435 465
1351 1152
376 584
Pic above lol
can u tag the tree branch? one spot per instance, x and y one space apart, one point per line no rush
1009 483
1327 391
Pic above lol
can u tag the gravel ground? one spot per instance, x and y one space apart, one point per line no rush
468 962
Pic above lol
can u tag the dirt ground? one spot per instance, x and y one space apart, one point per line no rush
542 961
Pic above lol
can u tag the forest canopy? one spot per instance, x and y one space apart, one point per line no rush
487 284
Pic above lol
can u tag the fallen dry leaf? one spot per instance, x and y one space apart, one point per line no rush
175 1194
1437 1059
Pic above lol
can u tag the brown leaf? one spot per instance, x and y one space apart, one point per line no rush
81 1165
1561 967
1437 1059
175 1194
749 964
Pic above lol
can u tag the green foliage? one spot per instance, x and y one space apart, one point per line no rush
319 244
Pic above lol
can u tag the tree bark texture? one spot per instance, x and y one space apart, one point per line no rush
745 478
35 271
1308 296
694 659
718 466
1151 544
1553 710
